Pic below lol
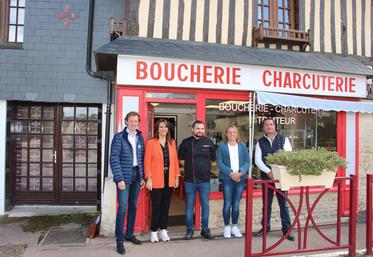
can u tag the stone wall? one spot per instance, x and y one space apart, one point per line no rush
324 213
366 155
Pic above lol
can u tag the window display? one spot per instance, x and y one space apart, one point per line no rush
305 128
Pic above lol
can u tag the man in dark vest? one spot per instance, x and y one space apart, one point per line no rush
270 143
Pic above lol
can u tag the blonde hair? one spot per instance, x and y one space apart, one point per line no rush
238 132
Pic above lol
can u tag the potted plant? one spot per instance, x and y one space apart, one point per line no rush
309 167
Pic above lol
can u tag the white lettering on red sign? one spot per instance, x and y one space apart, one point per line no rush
188 72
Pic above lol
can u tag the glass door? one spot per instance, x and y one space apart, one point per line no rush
33 155
80 154
180 118
55 155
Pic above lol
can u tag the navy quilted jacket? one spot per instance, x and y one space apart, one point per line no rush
121 156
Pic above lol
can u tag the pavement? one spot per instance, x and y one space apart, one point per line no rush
16 243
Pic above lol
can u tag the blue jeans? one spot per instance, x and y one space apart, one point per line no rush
190 193
284 210
232 192
125 197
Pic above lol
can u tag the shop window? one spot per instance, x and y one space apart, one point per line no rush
220 114
305 128
12 21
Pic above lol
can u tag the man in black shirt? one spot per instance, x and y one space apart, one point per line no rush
195 154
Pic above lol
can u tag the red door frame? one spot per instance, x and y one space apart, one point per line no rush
143 217
141 223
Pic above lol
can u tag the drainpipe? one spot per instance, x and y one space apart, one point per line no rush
108 94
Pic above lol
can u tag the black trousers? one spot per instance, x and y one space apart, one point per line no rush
284 210
161 198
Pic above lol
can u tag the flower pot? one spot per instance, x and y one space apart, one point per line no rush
286 181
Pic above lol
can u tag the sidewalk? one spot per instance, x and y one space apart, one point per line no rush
14 242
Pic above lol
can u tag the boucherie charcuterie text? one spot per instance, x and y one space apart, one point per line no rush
213 74
306 81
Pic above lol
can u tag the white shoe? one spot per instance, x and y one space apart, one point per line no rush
236 231
164 235
154 237
227 232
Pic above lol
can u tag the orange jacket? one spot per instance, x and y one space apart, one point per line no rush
153 163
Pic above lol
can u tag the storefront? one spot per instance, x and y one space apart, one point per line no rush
186 81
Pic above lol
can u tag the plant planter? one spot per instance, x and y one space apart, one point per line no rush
286 181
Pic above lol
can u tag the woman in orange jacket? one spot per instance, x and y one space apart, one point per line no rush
161 168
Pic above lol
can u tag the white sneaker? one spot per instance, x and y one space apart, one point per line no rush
164 235
227 232
154 237
236 231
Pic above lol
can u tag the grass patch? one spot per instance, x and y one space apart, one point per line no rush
44 223
8 220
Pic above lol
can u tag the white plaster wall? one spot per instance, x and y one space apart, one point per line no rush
103 129
365 155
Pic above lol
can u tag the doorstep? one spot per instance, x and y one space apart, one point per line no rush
40 210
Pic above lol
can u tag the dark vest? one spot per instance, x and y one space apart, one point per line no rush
277 144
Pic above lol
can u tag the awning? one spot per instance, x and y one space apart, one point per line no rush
314 103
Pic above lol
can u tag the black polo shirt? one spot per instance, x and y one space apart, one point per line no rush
197 154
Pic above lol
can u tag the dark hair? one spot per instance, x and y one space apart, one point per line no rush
156 128
197 122
130 114
268 118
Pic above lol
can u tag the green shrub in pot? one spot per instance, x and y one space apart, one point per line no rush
307 162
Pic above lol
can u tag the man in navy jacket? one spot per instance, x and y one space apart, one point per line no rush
127 165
